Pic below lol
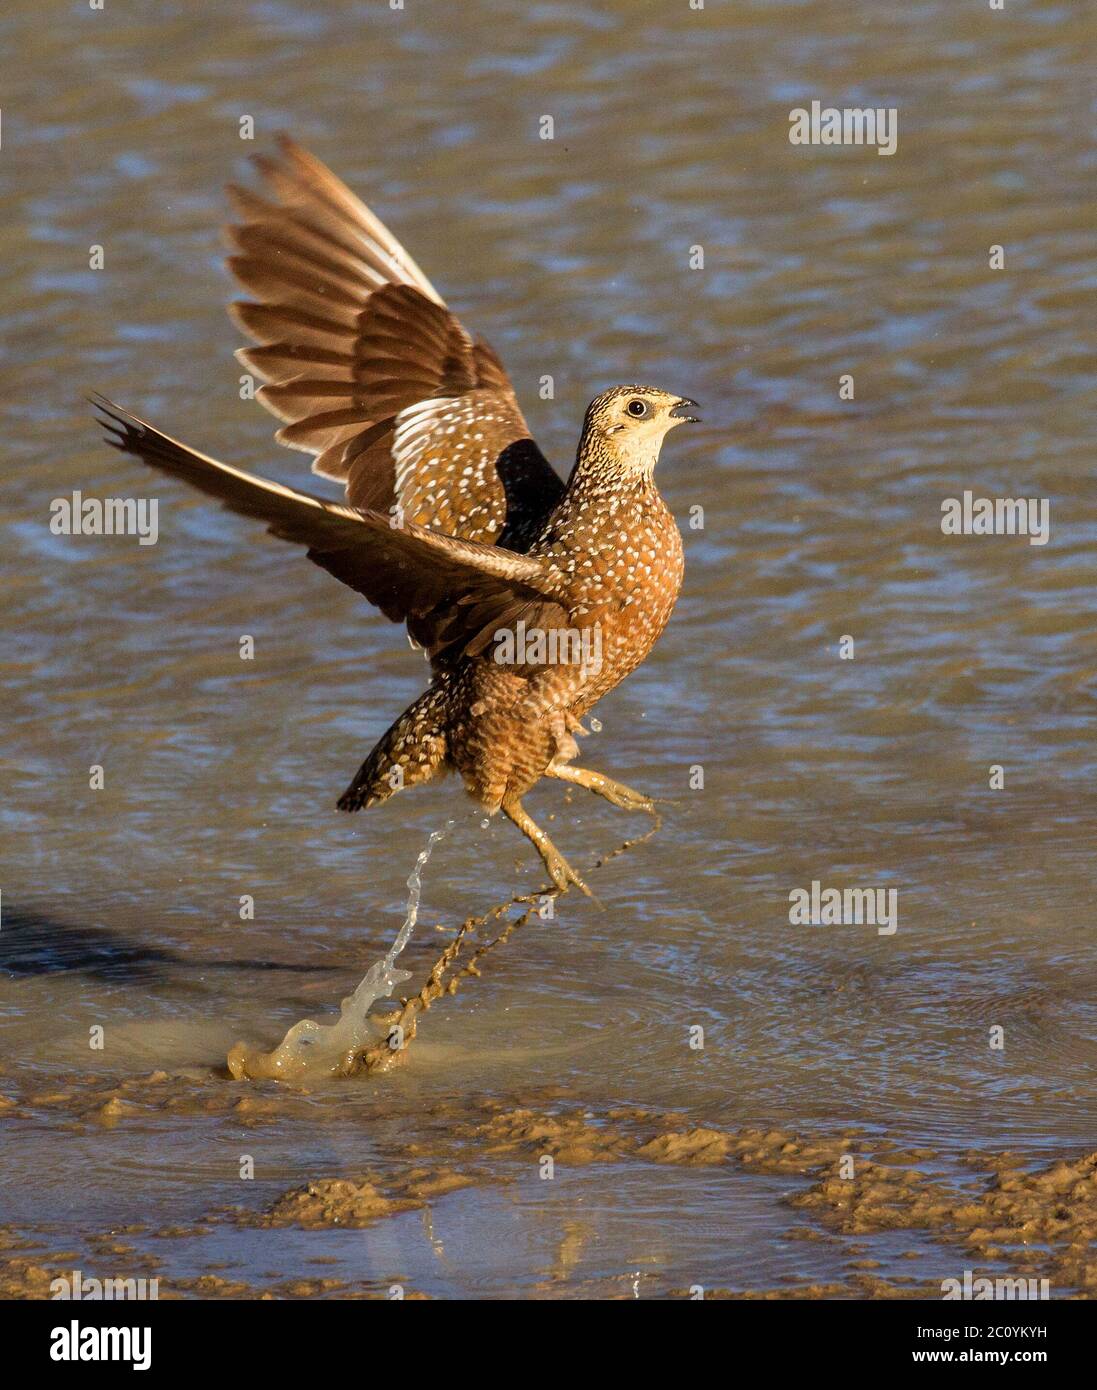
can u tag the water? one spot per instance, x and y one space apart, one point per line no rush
122 907
312 1050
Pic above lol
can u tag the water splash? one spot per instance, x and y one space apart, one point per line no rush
319 1049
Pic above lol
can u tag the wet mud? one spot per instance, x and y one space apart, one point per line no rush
996 1211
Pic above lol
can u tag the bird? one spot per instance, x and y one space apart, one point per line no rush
531 598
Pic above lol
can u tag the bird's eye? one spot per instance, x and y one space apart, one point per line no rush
637 409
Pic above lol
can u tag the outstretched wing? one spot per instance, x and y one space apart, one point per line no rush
453 594
368 368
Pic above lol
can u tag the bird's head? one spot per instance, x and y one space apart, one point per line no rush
629 422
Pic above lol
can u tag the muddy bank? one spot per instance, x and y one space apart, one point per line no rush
1040 1221
849 1192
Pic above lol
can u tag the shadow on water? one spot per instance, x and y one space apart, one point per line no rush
33 943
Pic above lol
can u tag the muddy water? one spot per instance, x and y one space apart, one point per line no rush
121 907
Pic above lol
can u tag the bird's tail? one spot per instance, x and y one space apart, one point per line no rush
411 752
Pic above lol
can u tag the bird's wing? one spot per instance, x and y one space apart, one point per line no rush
452 593
369 369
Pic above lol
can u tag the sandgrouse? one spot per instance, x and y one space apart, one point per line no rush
454 522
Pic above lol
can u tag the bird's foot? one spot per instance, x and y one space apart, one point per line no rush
562 874
615 792
560 871
629 800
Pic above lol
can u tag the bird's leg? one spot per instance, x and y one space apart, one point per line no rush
560 871
616 792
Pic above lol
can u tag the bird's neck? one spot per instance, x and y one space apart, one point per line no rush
601 471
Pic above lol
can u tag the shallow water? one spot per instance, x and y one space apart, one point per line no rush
120 907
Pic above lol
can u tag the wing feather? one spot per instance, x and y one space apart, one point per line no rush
448 590
351 336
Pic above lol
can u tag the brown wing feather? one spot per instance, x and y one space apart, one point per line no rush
369 370
449 591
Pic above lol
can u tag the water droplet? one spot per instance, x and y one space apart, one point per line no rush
596 726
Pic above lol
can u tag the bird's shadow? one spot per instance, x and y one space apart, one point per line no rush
34 943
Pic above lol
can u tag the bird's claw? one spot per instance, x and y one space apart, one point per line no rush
563 875
627 799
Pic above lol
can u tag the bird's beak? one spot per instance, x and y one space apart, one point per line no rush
683 404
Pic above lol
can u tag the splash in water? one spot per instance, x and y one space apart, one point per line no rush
329 1049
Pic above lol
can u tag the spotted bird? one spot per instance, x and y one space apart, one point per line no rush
454 522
